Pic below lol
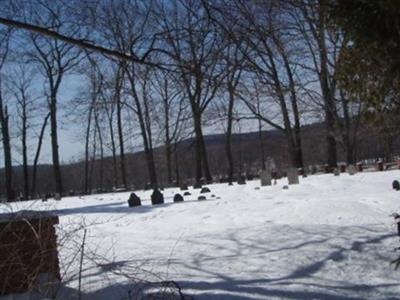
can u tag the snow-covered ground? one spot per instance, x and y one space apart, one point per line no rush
326 238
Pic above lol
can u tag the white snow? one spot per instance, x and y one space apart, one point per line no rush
326 238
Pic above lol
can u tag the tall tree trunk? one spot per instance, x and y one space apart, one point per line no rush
261 142
92 161
168 149
198 151
114 154
24 151
4 118
206 166
350 159
168 154
327 90
37 155
297 144
143 118
87 141
177 175
101 171
228 142
54 145
121 143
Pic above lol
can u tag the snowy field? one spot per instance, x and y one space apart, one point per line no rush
326 238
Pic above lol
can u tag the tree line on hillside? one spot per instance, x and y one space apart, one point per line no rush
155 73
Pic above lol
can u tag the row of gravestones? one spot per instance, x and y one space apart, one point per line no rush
351 170
292 175
158 198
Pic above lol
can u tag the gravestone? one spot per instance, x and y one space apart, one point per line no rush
396 185
241 180
184 187
266 177
313 170
134 200
249 176
147 186
57 196
293 176
336 172
205 190
157 197
342 168
186 194
197 185
178 198
360 167
202 198
351 170
285 187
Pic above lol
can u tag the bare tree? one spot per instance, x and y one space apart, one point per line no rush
37 154
270 58
4 119
170 117
310 19
192 43
55 59
20 86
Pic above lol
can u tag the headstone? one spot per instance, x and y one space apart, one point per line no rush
178 198
293 176
57 196
212 196
249 176
328 169
285 187
380 166
313 170
360 167
202 198
184 187
265 177
186 194
147 186
157 197
336 172
396 185
241 179
257 188
134 200
197 185
351 170
342 168
205 190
